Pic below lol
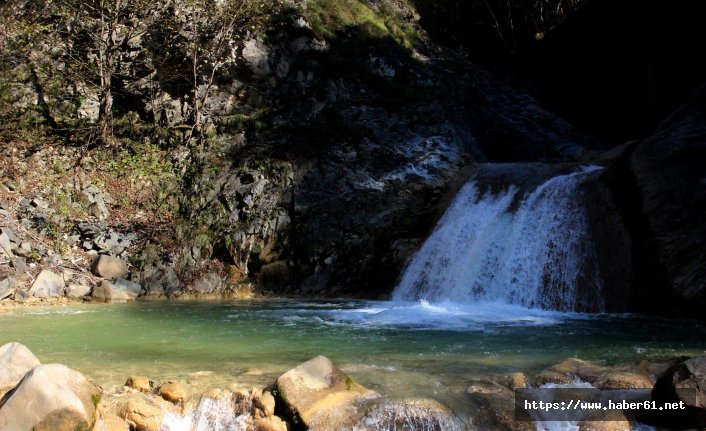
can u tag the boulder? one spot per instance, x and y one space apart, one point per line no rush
496 405
684 381
141 383
109 267
264 402
120 290
172 392
48 284
569 370
110 422
623 380
517 381
320 396
141 412
15 361
62 400
8 286
271 423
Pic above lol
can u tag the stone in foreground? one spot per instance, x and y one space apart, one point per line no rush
320 396
15 361
413 414
686 382
120 290
61 399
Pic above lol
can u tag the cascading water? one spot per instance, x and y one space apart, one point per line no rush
532 250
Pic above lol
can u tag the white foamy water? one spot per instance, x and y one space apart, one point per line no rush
489 248
444 315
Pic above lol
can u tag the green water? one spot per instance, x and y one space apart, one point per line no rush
396 349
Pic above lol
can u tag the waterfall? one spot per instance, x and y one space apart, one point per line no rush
532 249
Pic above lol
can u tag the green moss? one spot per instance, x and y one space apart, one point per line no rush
349 383
327 17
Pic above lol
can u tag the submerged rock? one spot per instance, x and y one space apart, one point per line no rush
61 399
15 361
320 396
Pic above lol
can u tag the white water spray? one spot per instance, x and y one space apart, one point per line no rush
486 250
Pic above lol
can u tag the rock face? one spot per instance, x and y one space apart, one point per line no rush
109 267
319 395
668 170
685 381
120 290
48 284
62 400
15 361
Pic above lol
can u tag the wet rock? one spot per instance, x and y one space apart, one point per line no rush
569 370
110 422
47 285
15 361
518 381
208 283
271 423
623 380
415 414
319 395
109 267
118 291
141 383
62 400
622 425
496 406
141 412
685 382
172 392
265 402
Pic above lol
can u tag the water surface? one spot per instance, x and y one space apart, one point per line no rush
398 349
